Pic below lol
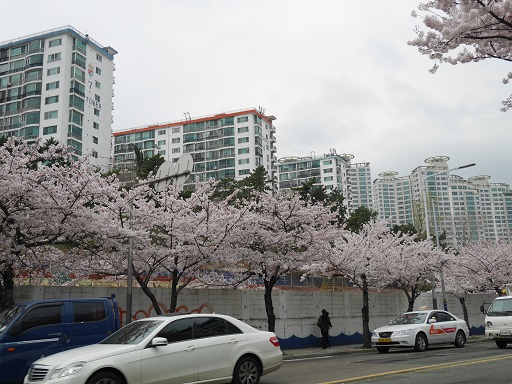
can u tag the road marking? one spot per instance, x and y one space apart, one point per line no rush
422 368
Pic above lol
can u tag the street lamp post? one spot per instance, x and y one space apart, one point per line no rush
427 226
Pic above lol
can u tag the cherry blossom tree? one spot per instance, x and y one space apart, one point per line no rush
409 264
45 199
466 31
355 255
285 234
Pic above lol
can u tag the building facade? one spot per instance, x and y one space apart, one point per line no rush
225 145
333 171
58 84
465 210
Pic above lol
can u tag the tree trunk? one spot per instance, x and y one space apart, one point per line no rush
462 301
174 291
8 288
269 307
148 293
367 341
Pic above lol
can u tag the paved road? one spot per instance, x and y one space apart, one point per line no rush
477 363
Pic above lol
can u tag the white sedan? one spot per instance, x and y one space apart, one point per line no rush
419 329
191 348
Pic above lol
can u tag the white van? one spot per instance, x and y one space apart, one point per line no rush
498 320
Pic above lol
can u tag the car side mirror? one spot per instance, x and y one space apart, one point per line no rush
158 342
432 320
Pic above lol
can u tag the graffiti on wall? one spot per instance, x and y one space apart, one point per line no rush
141 313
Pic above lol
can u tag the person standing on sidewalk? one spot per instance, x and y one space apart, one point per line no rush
324 323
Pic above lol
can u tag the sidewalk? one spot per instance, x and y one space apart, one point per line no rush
301 353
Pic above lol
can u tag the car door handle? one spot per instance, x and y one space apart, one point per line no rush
55 334
232 341
191 348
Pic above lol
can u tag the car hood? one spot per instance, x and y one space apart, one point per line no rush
86 354
401 327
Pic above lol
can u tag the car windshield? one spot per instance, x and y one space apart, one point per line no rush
132 333
8 314
500 308
409 318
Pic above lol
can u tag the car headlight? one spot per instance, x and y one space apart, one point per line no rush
405 332
488 324
375 334
71 369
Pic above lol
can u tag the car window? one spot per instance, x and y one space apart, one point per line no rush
409 318
178 330
44 315
132 333
213 326
8 314
88 311
443 316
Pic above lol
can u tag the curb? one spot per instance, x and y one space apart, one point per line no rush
348 349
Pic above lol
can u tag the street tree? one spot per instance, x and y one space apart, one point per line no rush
409 264
466 31
355 256
45 199
284 235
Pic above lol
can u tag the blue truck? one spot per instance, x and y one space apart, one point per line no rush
34 329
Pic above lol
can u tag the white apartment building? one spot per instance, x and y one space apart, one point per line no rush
225 145
466 210
58 84
333 171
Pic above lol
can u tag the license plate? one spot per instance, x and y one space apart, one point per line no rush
384 340
506 332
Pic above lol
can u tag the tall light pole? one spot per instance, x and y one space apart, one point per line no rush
427 225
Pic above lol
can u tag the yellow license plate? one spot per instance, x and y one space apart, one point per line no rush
384 340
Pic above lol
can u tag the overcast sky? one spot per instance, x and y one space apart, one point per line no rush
335 73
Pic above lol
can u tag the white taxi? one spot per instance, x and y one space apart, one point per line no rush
419 329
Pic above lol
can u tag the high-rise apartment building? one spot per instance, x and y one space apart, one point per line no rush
333 171
225 145
465 210
58 84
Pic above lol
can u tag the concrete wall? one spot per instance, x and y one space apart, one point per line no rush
296 311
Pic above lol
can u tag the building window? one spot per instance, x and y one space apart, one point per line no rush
51 100
98 71
53 71
176 150
327 162
243 119
176 130
176 140
95 140
96 111
97 98
242 151
330 178
243 140
52 85
243 129
244 172
162 132
98 84
95 125
99 57
55 42
161 142
162 152
244 161
54 57
51 115
328 170
50 130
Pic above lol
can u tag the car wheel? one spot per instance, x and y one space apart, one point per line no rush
501 344
460 339
383 349
247 371
105 378
421 344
